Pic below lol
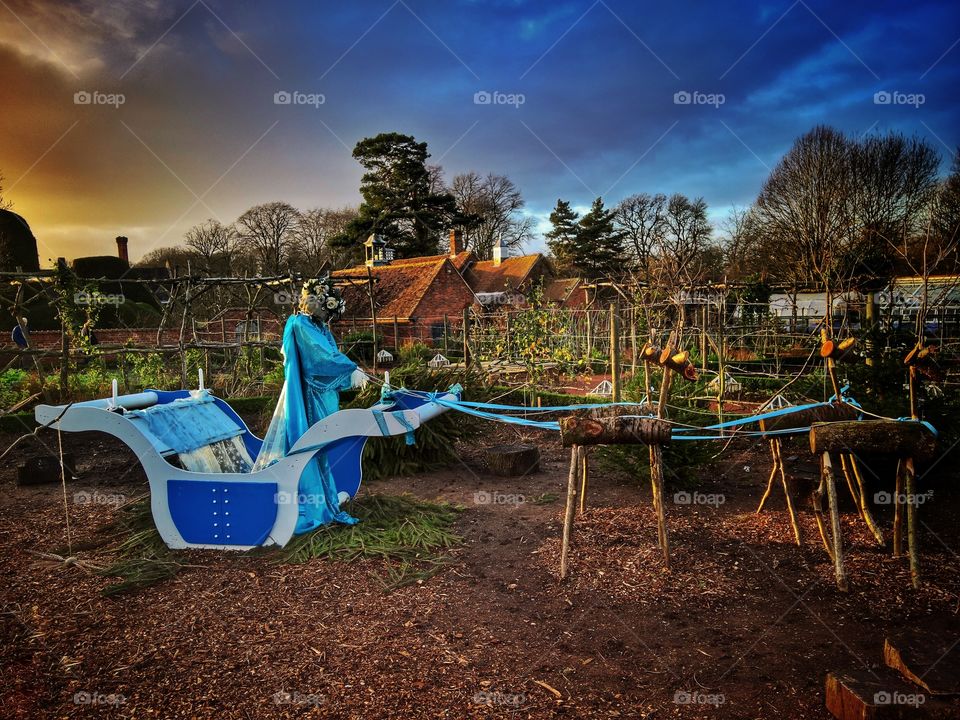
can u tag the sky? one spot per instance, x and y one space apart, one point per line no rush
145 117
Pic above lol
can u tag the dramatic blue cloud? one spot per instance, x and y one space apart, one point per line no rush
586 98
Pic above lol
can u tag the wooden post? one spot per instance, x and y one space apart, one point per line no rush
834 523
396 333
656 486
778 451
615 353
585 472
912 550
589 339
373 316
898 493
507 333
704 346
575 454
864 503
446 331
633 339
466 337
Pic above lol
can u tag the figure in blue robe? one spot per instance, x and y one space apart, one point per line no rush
314 373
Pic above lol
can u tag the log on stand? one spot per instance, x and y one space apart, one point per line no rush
612 426
910 442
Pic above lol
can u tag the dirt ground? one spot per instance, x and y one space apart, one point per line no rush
745 624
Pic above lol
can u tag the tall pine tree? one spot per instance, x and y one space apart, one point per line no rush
562 238
398 200
598 251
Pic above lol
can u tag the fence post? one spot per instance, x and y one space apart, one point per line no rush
396 334
466 337
615 352
446 326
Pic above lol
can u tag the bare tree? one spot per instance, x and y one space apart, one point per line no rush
315 230
687 236
493 209
803 208
213 243
642 219
5 204
268 232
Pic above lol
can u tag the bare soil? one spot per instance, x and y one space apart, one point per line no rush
744 625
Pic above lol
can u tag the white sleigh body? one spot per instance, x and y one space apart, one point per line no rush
236 510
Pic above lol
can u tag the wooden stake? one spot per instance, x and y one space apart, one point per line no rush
834 524
568 514
898 512
847 476
656 483
817 501
778 451
912 549
614 353
585 471
773 474
864 503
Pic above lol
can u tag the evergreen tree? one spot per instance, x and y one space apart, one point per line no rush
598 251
399 201
562 238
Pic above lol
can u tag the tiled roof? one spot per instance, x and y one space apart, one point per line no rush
559 290
459 260
484 276
400 286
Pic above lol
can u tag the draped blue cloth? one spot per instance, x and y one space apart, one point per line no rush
314 373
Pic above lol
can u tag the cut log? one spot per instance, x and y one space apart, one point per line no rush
806 418
584 430
44 469
877 437
880 695
925 657
512 460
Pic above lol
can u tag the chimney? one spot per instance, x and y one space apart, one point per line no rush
498 252
456 242
122 249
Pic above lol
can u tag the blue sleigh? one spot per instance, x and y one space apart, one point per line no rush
198 456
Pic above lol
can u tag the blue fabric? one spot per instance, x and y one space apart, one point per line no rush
185 424
314 373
